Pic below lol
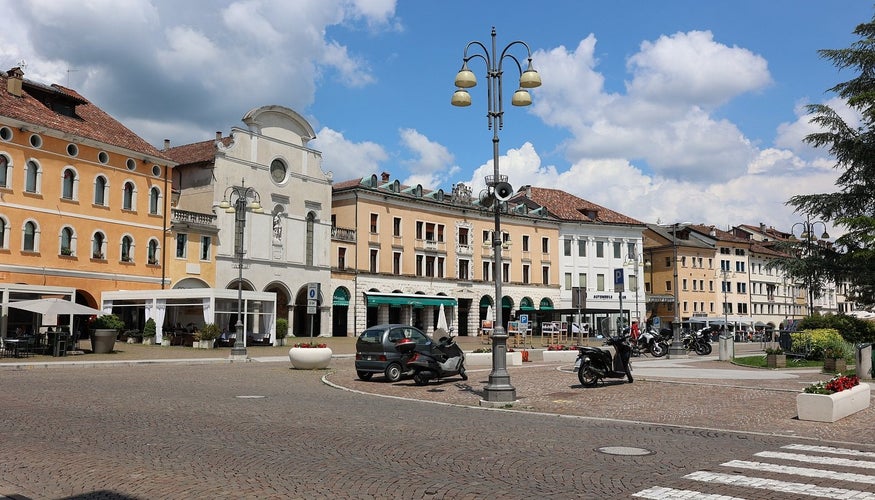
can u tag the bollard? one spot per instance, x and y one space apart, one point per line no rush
726 349
864 361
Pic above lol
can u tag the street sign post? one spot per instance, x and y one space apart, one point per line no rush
312 302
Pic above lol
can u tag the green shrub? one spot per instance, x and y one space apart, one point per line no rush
821 342
108 322
853 330
282 328
210 331
149 329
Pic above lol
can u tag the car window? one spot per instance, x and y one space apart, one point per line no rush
396 334
417 336
371 336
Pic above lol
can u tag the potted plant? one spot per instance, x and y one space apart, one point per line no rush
208 335
310 356
149 331
835 355
282 331
104 331
833 399
775 357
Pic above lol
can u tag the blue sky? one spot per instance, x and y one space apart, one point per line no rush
666 111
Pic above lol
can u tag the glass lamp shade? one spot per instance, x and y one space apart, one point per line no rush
230 210
465 78
521 98
461 98
530 78
225 205
255 206
825 235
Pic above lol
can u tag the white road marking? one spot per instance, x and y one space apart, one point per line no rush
662 493
843 462
781 486
829 449
801 471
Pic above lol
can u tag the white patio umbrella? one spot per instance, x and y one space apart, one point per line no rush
442 325
55 307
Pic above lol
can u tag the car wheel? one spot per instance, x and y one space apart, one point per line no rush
365 375
393 372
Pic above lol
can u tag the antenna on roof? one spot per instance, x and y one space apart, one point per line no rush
70 70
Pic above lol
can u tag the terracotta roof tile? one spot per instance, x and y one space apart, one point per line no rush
569 207
90 121
197 152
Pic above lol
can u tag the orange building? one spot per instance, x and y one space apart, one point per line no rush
84 201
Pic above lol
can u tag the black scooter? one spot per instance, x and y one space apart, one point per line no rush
594 364
434 361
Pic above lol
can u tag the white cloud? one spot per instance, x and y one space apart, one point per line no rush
346 159
433 162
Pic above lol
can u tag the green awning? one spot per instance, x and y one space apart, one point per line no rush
397 299
546 305
526 304
341 297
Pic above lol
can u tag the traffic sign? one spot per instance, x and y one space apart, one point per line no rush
618 280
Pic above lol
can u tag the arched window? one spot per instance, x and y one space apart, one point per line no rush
128 196
100 190
127 249
154 200
68 191
30 237
31 177
153 252
67 241
97 246
3 233
4 171
311 221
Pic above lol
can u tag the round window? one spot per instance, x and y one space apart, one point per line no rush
102 157
278 170
156 170
72 149
6 133
131 164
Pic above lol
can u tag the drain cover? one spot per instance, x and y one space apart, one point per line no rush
624 450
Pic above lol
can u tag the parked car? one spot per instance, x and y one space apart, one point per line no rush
375 350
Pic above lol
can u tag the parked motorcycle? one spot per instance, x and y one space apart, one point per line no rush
594 364
434 361
699 341
650 341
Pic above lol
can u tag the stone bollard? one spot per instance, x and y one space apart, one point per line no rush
864 361
726 348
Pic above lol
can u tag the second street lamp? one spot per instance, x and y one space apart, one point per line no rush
808 235
499 389
237 201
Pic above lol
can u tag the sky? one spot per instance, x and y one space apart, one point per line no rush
666 111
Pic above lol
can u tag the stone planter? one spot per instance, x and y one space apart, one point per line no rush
103 340
204 344
485 359
280 342
834 365
165 342
832 407
149 340
776 360
310 358
560 356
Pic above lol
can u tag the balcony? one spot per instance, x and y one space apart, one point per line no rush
464 249
343 234
431 246
184 218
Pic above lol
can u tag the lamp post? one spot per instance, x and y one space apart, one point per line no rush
498 390
808 227
725 285
677 347
236 201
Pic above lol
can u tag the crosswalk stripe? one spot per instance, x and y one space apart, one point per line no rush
829 449
781 486
662 493
844 462
801 471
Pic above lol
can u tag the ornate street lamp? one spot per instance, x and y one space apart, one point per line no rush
808 235
237 200
498 390
676 349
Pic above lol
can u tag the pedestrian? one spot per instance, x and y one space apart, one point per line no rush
635 330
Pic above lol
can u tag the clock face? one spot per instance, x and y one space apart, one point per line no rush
278 170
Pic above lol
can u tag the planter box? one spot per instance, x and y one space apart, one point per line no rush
485 359
309 358
832 407
776 360
834 365
103 340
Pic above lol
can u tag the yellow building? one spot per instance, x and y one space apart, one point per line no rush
83 200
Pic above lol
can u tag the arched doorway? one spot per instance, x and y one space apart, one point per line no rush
303 324
339 312
283 297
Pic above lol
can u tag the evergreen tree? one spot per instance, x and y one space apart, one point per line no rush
852 206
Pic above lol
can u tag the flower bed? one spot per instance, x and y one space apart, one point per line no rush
832 400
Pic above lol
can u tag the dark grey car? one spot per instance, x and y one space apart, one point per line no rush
375 350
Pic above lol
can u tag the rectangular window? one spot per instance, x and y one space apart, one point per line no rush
668 285
668 262
631 253
396 263
618 250
463 236
372 262
440 267
545 245
420 270
206 243
739 266
525 243
341 258
486 238
581 248
396 226
568 281
429 266
581 280
486 273
566 246
600 282
684 284
526 274
464 269
600 249
374 223
419 226
741 287
440 232
430 232
181 245
633 282
545 275
505 272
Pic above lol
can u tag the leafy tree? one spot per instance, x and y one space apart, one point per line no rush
852 206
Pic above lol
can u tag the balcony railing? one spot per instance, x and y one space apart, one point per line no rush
342 234
464 249
184 216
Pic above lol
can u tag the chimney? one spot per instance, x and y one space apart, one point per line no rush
166 144
14 77
528 188
218 135
385 177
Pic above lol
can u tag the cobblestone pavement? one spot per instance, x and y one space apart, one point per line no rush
261 430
